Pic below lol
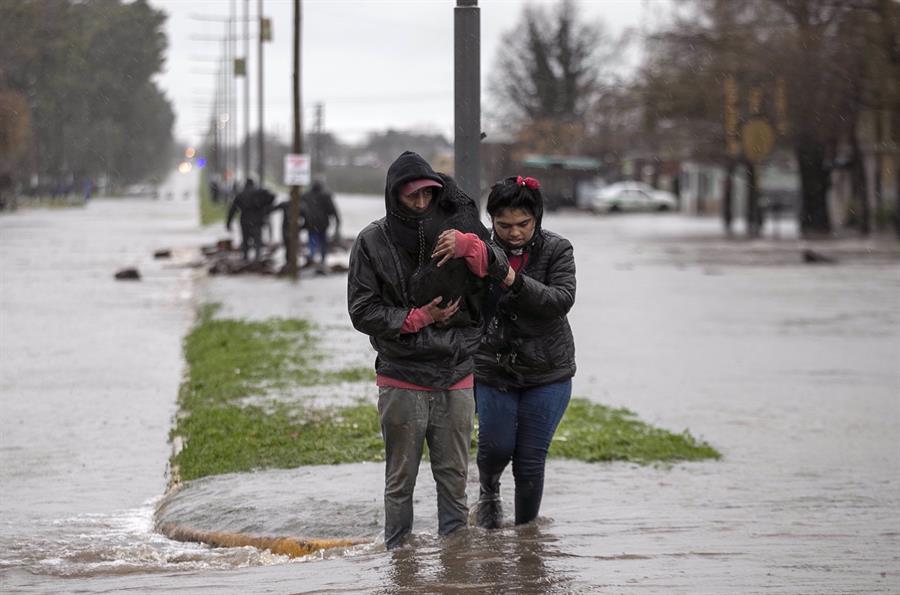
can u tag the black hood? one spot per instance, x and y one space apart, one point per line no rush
407 167
416 232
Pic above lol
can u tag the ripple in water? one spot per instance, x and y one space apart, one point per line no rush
118 544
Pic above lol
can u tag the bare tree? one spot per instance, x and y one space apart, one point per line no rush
548 72
818 47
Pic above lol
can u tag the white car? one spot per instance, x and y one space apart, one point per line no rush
632 196
140 190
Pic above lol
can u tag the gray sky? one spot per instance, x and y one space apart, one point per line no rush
374 64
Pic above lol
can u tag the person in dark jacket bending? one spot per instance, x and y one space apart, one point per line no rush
254 205
424 321
524 367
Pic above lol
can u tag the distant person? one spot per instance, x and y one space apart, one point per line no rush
6 190
425 325
526 360
284 208
214 191
253 204
317 206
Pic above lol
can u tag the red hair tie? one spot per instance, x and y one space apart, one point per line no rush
529 182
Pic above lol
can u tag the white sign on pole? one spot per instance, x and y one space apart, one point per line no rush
296 169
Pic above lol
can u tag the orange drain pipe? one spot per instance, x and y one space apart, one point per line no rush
283 546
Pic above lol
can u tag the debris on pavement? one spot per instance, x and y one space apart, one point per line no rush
129 274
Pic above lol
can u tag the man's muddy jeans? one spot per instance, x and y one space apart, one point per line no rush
408 419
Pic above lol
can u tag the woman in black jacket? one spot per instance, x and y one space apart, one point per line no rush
525 364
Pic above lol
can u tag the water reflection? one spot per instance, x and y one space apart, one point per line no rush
520 559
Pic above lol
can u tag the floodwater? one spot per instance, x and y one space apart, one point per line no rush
789 369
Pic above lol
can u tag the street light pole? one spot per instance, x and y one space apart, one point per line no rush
467 97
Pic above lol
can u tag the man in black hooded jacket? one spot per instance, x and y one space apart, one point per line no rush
424 321
254 205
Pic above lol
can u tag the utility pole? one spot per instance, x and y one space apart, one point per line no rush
317 166
246 89
227 144
297 148
232 90
226 97
467 97
260 141
220 115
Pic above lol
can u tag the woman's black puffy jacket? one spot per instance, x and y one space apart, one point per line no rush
527 340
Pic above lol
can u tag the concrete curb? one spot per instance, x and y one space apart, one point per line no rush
283 546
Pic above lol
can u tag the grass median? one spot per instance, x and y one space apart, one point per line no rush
232 416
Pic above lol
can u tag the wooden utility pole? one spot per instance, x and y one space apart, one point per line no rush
297 147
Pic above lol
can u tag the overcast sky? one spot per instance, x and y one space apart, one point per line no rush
373 64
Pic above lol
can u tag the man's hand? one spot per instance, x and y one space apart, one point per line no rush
438 314
445 249
510 277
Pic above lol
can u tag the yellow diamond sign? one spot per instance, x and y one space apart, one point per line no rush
758 138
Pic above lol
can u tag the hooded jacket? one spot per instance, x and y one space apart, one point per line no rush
317 208
527 340
254 205
391 272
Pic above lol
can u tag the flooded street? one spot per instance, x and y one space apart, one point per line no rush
90 370
790 370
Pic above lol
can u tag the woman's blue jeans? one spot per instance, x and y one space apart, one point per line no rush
517 426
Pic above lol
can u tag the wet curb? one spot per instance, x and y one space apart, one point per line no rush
291 547
283 546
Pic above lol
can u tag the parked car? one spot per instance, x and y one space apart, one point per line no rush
140 190
632 196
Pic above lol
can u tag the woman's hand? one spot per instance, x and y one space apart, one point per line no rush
439 314
445 249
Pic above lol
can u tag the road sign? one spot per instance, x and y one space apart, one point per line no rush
296 169
758 137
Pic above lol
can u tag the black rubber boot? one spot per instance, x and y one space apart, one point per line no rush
489 514
528 502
